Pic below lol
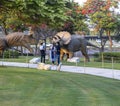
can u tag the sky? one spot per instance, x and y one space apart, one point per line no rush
80 1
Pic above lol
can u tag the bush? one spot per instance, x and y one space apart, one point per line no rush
29 54
107 56
11 54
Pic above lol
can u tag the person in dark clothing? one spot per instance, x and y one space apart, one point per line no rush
53 54
58 53
42 53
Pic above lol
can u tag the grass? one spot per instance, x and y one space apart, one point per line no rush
92 63
22 59
31 87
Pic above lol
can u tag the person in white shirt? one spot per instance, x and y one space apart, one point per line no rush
42 52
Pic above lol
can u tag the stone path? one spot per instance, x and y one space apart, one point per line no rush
109 73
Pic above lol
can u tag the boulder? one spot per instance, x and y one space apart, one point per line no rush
43 66
74 59
35 60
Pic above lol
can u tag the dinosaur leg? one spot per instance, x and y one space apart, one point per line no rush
1 53
28 47
61 54
85 54
67 54
70 54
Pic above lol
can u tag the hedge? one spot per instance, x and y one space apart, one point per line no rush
11 54
107 56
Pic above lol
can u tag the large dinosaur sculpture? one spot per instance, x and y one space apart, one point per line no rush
72 43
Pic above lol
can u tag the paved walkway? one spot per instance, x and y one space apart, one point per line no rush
109 73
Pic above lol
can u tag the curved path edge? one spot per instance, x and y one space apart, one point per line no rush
109 73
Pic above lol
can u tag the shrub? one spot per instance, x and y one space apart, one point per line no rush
11 54
107 56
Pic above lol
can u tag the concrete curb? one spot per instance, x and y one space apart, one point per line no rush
109 73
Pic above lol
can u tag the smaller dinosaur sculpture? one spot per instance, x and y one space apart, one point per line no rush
17 39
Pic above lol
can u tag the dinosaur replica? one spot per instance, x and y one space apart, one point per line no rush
17 39
72 43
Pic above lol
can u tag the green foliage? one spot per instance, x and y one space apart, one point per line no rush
108 56
80 25
102 14
117 33
33 12
76 18
104 21
15 24
11 54
50 12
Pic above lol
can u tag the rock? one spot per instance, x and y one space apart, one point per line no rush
35 60
43 66
74 59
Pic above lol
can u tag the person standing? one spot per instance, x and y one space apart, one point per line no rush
58 48
53 54
42 53
58 53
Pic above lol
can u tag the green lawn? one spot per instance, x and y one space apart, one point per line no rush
32 87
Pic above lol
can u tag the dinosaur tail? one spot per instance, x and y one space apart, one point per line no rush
90 44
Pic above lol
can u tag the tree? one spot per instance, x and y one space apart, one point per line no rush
117 31
6 10
35 12
100 14
76 20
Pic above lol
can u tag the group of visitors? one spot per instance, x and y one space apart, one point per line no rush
54 53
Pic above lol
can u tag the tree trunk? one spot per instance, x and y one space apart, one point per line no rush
36 49
21 50
102 42
4 30
110 40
